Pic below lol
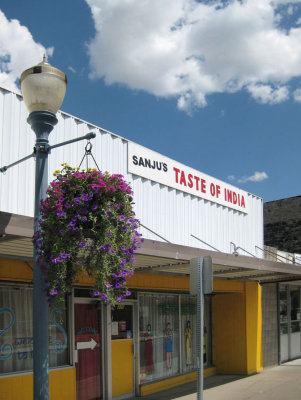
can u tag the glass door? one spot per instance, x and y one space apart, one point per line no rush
290 322
295 342
88 349
283 318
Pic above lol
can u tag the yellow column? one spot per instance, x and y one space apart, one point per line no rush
253 327
229 334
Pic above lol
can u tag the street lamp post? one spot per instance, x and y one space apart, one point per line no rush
43 88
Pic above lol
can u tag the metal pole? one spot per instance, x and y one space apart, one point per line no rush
200 332
42 123
201 283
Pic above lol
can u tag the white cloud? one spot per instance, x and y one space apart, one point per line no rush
71 69
267 94
297 95
290 10
231 178
18 51
256 177
188 49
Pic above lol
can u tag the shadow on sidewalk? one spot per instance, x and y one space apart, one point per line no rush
190 388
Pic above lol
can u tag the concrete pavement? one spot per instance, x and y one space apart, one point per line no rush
279 383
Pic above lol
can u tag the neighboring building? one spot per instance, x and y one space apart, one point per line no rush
282 237
184 214
282 224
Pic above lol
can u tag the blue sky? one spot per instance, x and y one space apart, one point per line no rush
215 85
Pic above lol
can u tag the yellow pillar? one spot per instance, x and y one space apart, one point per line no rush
237 325
253 327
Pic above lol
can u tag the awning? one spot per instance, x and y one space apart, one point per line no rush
155 257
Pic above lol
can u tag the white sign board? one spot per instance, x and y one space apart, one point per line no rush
157 168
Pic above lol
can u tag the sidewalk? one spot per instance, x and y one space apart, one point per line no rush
279 383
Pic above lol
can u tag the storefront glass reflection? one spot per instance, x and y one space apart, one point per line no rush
167 335
16 331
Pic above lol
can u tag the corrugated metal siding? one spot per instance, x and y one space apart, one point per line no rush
172 214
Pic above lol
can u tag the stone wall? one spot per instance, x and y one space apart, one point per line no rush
282 224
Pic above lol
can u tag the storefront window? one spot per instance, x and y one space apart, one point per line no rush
188 328
122 322
16 331
159 336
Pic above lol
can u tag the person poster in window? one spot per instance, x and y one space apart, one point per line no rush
168 334
188 334
148 348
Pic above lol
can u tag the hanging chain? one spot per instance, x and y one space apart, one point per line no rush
88 152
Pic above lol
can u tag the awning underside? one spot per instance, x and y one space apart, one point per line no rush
152 259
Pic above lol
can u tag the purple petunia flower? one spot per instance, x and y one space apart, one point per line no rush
112 251
72 223
77 200
94 207
117 285
67 205
64 255
104 296
109 233
53 292
84 219
62 231
108 285
128 293
96 294
121 217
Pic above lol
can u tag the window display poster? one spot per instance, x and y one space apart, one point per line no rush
122 326
114 328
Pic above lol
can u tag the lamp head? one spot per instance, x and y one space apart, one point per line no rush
43 87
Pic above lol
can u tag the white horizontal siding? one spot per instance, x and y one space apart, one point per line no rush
170 213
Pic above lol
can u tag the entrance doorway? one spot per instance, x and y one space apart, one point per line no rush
88 348
123 350
290 321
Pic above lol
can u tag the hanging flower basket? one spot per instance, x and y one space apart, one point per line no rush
87 224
